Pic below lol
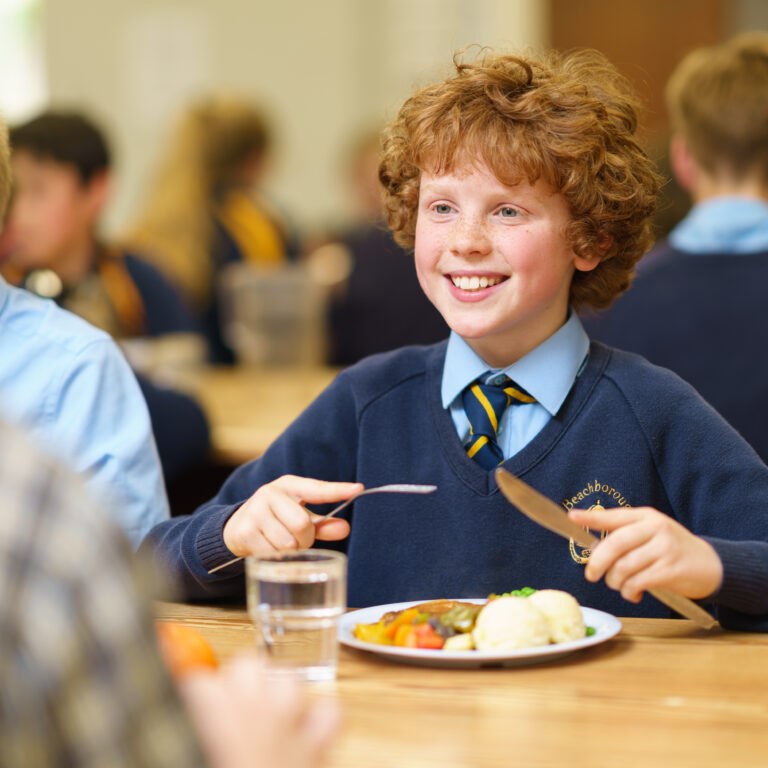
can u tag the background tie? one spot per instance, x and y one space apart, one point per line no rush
484 404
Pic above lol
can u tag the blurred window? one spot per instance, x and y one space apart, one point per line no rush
23 86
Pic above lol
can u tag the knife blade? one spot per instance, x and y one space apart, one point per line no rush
546 513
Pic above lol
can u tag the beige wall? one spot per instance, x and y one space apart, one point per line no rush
325 68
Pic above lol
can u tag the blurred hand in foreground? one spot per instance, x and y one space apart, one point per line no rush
245 720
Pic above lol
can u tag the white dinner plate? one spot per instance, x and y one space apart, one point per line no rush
605 625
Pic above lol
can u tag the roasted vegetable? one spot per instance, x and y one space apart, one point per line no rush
426 637
461 618
373 633
460 643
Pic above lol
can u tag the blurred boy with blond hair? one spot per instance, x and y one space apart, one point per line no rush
697 305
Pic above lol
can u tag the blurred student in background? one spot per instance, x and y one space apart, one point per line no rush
83 682
379 306
697 305
66 385
205 211
61 166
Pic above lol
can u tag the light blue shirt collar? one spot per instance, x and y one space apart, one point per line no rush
547 372
723 225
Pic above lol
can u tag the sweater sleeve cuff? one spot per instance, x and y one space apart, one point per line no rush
745 576
209 543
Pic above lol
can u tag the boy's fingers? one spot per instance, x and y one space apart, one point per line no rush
316 491
615 546
631 567
277 535
605 519
332 530
296 520
644 579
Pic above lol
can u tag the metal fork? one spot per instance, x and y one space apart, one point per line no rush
393 488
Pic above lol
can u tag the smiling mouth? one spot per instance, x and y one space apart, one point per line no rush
475 282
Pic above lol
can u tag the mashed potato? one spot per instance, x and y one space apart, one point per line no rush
562 613
509 623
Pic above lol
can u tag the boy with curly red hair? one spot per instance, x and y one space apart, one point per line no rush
522 186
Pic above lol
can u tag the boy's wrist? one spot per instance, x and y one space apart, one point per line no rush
212 549
745 573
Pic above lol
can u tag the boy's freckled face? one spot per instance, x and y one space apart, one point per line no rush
494 260
52 211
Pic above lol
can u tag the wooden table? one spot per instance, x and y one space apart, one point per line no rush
662 693
248 408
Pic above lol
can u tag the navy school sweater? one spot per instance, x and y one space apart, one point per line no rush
628 434
164 309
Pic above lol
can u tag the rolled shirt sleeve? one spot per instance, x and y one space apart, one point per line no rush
98 416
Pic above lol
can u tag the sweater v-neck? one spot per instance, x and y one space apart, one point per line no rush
479 480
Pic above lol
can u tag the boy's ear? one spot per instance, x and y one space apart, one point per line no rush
97 191
681 161
588 263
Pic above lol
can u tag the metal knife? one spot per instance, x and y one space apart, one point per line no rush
545 512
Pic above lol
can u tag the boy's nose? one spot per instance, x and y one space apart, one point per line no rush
470 238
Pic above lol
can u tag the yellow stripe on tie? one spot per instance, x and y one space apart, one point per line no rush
518 395
479 443
483 400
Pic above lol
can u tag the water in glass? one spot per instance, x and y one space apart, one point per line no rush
295 600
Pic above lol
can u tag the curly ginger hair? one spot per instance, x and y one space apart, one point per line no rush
570 119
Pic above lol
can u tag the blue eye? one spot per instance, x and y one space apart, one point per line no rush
508 212
443 208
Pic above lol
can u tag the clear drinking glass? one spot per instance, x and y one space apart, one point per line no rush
295 599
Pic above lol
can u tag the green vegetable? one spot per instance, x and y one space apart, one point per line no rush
591 631
524 592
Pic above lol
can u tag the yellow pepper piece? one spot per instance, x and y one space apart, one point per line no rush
403 633
406 617
372 633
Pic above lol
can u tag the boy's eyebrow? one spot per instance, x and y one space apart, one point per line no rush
509 194
433 184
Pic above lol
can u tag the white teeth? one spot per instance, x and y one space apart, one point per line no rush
475 282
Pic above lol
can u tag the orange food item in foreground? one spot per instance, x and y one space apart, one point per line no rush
183 648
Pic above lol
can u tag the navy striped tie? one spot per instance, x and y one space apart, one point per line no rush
484 404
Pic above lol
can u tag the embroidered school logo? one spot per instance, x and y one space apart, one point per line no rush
581 555
613 498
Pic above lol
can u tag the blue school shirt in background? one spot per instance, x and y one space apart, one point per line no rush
546 373
723 225
66 384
